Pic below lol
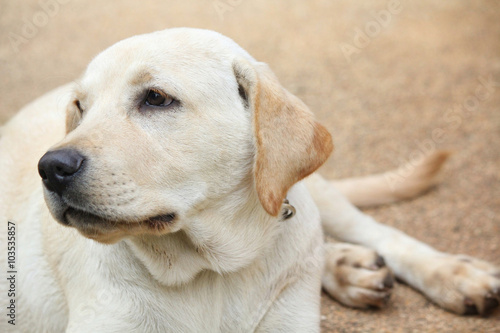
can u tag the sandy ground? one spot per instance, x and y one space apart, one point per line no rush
382 89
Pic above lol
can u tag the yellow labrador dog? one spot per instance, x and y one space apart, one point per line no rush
172 197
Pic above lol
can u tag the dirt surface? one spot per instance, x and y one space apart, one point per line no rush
416 80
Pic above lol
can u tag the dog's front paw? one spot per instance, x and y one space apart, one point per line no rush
461 284
356 276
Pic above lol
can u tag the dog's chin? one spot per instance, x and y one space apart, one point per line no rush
105 230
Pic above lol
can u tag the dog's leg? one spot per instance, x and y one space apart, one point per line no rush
457 283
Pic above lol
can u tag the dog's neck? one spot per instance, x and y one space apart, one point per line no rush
222 238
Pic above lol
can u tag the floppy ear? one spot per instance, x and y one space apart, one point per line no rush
290 143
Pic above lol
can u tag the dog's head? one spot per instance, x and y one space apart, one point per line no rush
165 125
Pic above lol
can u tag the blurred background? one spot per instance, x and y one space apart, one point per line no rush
390 79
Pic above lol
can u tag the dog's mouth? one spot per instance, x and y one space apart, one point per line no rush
71 214
108 231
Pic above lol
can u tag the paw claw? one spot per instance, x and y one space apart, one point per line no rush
490 303
470 307
388 281
380 262
470 310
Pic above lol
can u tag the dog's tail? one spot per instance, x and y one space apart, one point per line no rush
406 182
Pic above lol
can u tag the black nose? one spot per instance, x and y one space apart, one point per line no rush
57 168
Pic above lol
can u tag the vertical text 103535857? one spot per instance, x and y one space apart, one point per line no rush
11 272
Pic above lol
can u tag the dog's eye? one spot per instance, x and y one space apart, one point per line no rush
157 98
